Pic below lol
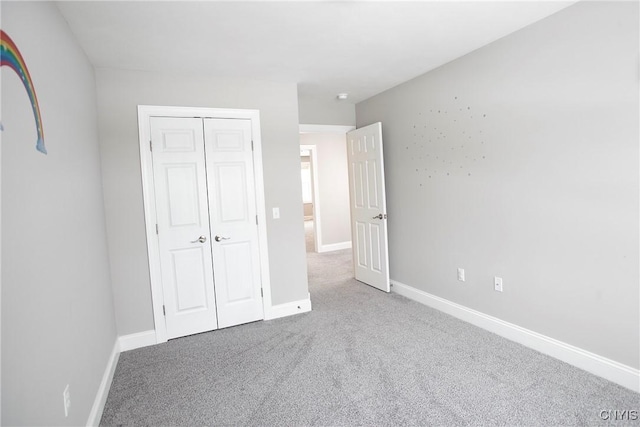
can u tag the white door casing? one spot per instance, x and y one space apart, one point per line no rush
368 206
183 225
315 196
145 114
234 224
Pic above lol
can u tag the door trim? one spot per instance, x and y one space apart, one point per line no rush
145 112
315 196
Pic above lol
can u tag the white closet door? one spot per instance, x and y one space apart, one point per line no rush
232 210
183 225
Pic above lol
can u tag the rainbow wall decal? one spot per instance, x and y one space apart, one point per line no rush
11 57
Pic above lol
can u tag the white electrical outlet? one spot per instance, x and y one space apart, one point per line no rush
497 284
276 213
66 396
461 274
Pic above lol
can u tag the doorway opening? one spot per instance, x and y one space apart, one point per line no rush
308 168
350 193
325 187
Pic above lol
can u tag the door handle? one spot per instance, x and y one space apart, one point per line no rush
200 239
380 216
219 238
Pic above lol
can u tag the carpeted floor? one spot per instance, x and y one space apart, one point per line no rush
361 357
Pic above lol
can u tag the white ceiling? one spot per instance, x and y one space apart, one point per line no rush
362 48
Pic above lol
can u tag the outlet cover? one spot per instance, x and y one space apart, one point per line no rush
497 284
461 274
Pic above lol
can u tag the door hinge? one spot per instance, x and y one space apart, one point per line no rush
256 219
156 228
252 145
261 293
150 146
164 312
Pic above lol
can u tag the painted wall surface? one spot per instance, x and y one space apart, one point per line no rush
306 166
520 160
315 111
58 325
119 94
333 185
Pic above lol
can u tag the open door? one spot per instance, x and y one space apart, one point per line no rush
368 206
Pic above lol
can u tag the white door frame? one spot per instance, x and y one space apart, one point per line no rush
317 218
315 195
145 112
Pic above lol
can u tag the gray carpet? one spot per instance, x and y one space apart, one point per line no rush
361 357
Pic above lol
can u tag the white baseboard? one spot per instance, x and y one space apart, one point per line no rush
611 370
137 340
288 309
334 247
103 391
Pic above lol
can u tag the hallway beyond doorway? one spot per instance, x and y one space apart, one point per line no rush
308 236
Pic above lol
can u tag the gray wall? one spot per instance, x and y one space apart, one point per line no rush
119 94
307 207
333 185
520 160
58 325
314 111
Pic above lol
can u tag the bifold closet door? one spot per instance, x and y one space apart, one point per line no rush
180 183
233 216
207 223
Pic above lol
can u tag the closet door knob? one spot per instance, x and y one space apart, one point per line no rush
219 238
200 239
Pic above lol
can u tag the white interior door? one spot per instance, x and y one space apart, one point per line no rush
236 255
368 206
183 225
